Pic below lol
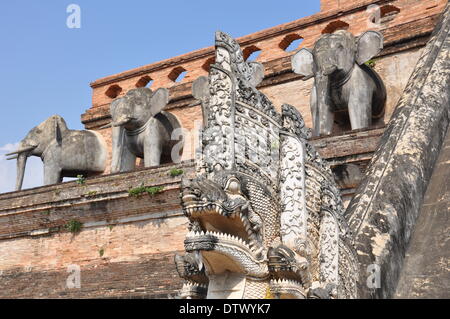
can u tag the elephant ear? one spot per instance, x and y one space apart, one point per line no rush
58 135
114 104
369 44
257 73
303 63
158 101
200 88
59 126
200 91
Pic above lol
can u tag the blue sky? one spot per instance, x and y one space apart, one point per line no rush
46 67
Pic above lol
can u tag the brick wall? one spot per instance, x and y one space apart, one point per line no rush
101 278
125 248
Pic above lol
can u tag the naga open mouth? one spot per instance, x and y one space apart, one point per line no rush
226 253
216 221
287 289
224 227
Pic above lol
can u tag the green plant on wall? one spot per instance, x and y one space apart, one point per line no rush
81 180
371 63
73 226
175 172
142 190
54 229
154 190
137 191
101 252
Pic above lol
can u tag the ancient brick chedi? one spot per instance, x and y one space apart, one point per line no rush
116 235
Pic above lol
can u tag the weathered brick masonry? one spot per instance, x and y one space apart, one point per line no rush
126 245
125 248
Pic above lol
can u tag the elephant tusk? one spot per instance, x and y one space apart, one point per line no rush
21 151
195 103
12 157
106 126
120 123
12 153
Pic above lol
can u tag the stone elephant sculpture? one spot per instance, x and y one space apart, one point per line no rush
141 129
342 81
64 152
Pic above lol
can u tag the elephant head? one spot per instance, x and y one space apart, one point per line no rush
331 62
139 105
335 54
36 142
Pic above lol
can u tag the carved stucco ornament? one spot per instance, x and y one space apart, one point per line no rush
266 217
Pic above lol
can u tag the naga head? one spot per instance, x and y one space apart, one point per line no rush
223 222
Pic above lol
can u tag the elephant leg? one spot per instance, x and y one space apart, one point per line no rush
52 173
153 145
360 110
152 153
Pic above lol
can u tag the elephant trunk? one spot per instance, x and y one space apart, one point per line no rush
330 69
323 119
21 163
326 61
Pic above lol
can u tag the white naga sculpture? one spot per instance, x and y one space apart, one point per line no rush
266 217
